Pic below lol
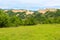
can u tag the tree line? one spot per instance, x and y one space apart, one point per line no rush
11 19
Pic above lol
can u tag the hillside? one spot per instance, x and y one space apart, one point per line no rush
37 32
31 12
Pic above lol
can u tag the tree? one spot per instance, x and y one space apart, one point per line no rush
4 19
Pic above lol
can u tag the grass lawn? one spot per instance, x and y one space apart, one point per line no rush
36 32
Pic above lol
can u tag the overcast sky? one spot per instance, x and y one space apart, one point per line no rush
29 4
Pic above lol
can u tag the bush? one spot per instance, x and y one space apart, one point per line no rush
29 20
16 21
4 19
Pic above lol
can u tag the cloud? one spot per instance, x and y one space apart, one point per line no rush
52 3
29 3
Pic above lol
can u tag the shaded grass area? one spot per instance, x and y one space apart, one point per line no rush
36 32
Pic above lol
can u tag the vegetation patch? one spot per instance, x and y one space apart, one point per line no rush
14 19
36 32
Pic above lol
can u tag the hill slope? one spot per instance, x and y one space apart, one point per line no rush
37 32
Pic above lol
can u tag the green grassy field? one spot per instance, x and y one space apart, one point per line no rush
36 32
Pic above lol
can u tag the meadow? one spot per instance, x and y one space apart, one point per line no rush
35 32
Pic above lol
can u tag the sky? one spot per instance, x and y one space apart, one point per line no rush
29 4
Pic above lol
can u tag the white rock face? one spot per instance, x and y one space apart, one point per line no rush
47 9
28 12
17 15
18 11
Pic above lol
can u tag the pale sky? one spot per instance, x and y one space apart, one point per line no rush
29 4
